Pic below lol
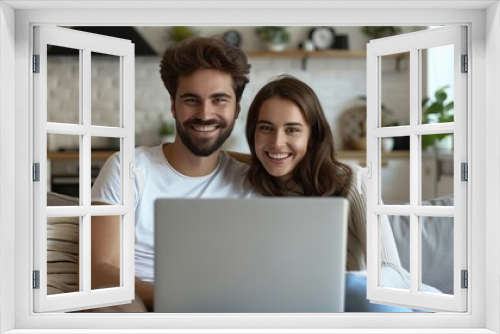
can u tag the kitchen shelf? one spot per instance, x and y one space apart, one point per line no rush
73 155
308 54
305 55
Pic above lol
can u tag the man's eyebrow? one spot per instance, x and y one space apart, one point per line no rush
219 95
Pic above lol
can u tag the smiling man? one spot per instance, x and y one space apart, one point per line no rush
205 78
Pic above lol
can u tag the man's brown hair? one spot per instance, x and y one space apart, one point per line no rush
199 53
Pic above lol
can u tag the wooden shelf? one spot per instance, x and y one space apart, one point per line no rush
73 155
308 54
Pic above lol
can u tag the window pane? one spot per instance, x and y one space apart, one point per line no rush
395 89
437 89
63 86
395 173
102 149
437 169
63 235
63 164
437 252
392 277
106 225
105 89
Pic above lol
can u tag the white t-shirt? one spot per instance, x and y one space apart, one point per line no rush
161 180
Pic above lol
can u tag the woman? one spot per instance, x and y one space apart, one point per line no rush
293 154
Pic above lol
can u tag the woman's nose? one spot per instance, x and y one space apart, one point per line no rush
279 138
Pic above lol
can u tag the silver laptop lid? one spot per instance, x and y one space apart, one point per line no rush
284 254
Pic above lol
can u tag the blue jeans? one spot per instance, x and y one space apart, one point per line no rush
355 297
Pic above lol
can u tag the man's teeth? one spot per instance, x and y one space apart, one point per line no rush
279 155
204 128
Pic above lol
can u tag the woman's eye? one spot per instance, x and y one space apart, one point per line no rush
293 130
265 128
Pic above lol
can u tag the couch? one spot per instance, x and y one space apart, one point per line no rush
437 245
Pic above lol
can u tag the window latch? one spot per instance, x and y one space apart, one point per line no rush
132 171
366 170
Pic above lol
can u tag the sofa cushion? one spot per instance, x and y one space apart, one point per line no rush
63 234
437 246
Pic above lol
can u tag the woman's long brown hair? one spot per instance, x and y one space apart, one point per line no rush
319 173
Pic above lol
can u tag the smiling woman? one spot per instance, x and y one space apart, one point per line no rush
293 154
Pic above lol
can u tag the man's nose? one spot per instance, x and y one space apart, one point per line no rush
205 111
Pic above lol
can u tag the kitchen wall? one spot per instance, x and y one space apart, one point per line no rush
337 81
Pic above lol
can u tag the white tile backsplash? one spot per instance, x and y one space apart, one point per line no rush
337 81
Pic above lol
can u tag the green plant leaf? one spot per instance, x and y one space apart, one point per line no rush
440 95
449 106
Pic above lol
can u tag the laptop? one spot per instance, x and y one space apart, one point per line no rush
273 254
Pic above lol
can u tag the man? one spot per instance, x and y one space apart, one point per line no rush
205 78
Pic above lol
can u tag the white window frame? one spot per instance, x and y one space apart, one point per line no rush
482 316
123 50
414 43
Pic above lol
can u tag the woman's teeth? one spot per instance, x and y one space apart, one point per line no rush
279 156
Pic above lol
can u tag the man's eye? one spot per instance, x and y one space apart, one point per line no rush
220 100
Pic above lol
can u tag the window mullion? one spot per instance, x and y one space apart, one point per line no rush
85 177
414 170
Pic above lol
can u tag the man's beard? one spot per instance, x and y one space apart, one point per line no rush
203 147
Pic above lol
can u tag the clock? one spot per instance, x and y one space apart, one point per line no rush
322 37
232 37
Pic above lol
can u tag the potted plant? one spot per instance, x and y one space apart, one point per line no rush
437 110
179 33
276 38
374 32
167 131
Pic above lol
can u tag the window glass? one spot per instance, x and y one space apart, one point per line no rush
105 89
63 86
113 250
437 252
395 172
395 89
438 88
63 235
63 164
437 169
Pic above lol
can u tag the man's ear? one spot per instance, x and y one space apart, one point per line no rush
172 107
